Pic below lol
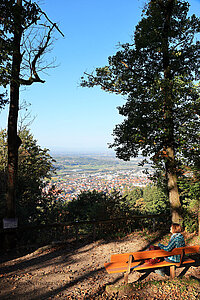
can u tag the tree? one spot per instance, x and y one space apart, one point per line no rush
133 198
157 73
94 205
3 171
148 200
35 204
19 26
155 199
190 191
5 62
35 166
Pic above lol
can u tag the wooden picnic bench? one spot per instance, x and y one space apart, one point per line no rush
135 261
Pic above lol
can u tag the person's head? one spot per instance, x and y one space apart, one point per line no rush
175 228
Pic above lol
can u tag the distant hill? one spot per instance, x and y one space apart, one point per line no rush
90 163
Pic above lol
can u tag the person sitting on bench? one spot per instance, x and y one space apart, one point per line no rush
176 241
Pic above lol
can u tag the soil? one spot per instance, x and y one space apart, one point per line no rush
69 270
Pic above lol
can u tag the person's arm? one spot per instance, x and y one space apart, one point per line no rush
170 246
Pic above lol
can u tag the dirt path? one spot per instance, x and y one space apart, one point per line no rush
69 272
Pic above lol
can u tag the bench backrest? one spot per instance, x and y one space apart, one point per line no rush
140 255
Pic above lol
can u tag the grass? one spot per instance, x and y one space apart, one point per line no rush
179 288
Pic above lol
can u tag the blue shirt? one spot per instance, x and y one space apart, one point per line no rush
176 241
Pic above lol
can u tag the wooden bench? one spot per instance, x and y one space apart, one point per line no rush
127 262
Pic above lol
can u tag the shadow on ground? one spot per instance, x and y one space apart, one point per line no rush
62 254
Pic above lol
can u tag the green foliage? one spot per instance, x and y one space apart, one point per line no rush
190 192
35 165
50 209
34 204
158 74
134 199
3 100
3 150
93 205
155 200
148 200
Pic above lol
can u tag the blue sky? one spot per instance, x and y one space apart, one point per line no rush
68 117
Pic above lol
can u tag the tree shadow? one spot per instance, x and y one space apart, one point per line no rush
64 249
56 291
160 235
66 286
63 252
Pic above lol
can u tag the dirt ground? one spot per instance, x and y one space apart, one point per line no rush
74 271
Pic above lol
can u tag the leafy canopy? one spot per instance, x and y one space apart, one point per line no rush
137 72
94 205
34 205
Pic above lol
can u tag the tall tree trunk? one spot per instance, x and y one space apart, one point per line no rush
170 164
13 139
173 188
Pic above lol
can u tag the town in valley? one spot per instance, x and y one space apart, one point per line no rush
76 173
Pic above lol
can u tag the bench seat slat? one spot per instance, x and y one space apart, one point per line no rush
162 264
119 267
153 253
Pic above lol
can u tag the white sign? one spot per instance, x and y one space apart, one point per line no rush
10 223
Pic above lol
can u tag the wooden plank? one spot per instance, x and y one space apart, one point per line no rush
153 253
172 272
121 267
191 249
161 265
129 264
128 269
188 260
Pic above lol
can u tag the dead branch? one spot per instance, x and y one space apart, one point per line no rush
34 74
54 24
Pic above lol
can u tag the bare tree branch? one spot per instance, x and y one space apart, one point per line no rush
54 24
34 74
43 13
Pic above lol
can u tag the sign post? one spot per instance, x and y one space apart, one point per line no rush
10 223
